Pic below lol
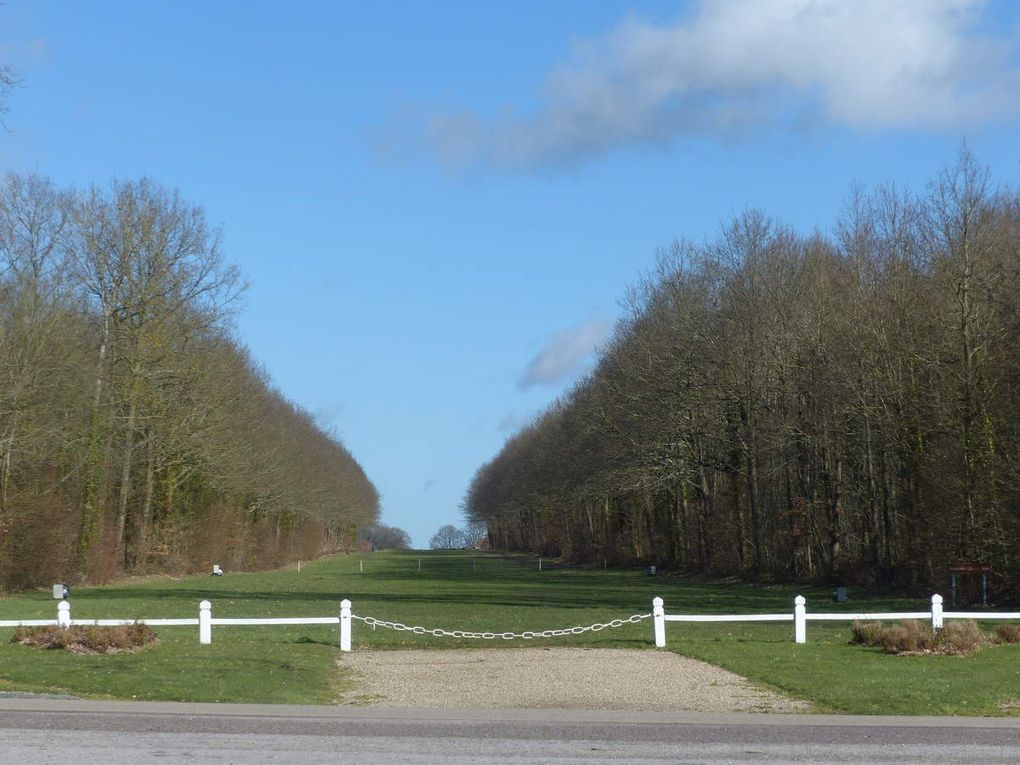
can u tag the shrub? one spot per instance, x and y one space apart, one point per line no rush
865 633
959 638
130 638
1008 633
908 636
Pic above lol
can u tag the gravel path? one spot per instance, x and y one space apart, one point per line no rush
553 678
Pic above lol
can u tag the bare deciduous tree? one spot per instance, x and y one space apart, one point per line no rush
135 433
8 79
448 537
777 405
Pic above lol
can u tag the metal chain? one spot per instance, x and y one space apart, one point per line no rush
527 635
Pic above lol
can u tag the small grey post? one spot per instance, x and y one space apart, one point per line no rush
345 625
63 614
205 622
936 612
799 619
659 620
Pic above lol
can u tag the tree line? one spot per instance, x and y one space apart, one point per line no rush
834 407
383 537
136 433
449 537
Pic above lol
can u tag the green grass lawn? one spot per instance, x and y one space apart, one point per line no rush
485 592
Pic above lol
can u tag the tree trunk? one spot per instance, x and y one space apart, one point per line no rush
125 484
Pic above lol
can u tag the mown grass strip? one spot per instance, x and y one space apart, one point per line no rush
485 593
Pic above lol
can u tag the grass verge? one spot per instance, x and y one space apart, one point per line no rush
486 592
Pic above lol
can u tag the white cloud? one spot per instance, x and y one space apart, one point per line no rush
736 64
563 352
515 421
326 416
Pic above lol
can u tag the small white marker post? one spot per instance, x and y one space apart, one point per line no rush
799 619
936 612
205 622
361 567
345 625
63 614
659 622
539 564
299 567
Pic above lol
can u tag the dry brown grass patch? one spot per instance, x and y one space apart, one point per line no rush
959 638
907 637
914 637
865 633
91 640
1007 633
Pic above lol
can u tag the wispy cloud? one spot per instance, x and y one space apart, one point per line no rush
326 416
515 421
563 352
732 65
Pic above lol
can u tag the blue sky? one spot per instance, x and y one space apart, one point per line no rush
439 205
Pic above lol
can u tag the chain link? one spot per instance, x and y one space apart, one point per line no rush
526 635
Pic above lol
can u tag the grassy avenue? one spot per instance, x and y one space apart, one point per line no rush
486 592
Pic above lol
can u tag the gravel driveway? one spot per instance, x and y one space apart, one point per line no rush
553 678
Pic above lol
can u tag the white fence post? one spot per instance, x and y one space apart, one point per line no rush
659 620
63 614
205 622
936 612
345 625
799 619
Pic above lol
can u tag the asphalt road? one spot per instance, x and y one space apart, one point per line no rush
59 731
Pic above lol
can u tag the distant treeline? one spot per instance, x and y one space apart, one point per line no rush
836 408
136 434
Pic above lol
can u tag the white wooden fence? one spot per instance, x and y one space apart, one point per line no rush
800 617
205 621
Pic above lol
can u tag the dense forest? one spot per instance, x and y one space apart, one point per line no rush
136 434
839 407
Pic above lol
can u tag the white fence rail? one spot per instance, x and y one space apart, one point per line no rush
205 621
800 617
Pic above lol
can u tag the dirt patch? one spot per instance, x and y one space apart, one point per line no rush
553 678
